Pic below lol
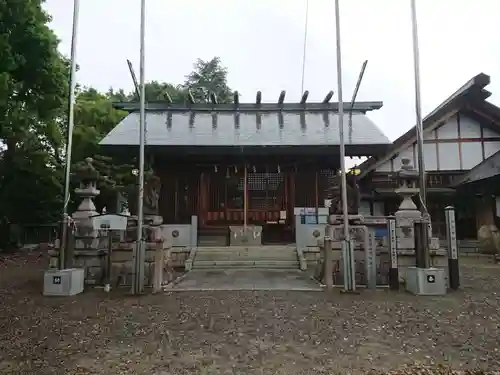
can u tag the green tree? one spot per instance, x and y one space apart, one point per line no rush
159 91
209 77
33 91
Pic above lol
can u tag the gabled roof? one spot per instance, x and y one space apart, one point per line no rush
248 125
471 96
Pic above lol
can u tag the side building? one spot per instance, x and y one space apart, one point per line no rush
462 162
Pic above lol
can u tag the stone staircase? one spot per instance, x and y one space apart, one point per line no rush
234 257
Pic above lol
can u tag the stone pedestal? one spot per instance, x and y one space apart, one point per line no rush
406 217
89 246
238 236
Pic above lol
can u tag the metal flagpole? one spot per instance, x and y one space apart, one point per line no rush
349 286
63 261
418 108
139 254
425 256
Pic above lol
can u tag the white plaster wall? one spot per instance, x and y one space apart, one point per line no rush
469 128
449 130
446 155
490 148
472 154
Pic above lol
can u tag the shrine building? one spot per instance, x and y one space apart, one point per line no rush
249 163
462 162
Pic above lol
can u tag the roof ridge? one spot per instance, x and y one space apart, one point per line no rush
474 86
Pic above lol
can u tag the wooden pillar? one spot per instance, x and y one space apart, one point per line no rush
245 198
316 191
202 201
292 196
176 198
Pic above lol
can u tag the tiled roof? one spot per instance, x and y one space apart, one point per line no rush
488 168
245 128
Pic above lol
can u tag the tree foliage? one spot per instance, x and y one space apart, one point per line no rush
209 77
33 89
33 119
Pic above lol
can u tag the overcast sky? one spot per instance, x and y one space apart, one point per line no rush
261 43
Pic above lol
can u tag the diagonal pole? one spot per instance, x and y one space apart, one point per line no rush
418 107
63 252
304 52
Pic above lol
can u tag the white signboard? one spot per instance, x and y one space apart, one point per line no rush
109 222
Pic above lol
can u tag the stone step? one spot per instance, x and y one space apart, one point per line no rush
270 257
262 247
222 256
216 241
246 264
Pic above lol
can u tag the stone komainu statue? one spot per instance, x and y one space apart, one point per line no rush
335 194
152 189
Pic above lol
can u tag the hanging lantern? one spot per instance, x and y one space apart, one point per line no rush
254 169
215 168
235 169
279 169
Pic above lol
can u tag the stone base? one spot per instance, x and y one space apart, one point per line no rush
314 259
94 262
238 236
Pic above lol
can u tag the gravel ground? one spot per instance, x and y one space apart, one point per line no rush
243 332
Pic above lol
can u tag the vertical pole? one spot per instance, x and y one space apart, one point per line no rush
393 253
328 266
139 254
107 286
451 237
420 228
418 108
63 261
245 199
348 250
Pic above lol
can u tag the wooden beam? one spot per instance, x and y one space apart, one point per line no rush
326 119
303 100
190 97
258 98
281 120
258 120
281 98
213 98
169 120
214 120
328 97
191 119
303 124
167 97
237 120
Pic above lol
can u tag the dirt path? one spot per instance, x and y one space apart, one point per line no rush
243 332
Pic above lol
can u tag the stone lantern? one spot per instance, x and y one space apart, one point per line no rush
408 185
408 212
